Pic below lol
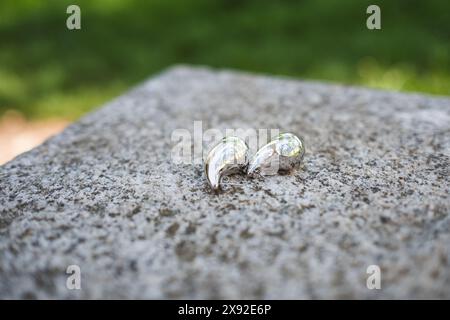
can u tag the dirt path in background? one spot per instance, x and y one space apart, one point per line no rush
18 135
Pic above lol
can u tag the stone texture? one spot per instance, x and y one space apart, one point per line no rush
104 194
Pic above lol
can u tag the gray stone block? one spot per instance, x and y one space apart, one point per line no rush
105 195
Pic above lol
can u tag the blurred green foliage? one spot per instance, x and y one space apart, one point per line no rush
47 70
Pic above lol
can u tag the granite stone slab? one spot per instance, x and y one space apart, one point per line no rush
105 195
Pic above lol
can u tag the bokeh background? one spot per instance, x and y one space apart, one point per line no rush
50 76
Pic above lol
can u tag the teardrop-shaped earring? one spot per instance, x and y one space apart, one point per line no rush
229 156
282 154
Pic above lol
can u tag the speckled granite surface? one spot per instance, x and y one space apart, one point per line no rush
374 189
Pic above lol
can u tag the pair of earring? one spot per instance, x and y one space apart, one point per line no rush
231 155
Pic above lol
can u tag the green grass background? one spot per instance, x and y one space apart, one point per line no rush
49 71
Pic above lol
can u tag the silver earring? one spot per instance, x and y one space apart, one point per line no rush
228 157
284 153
